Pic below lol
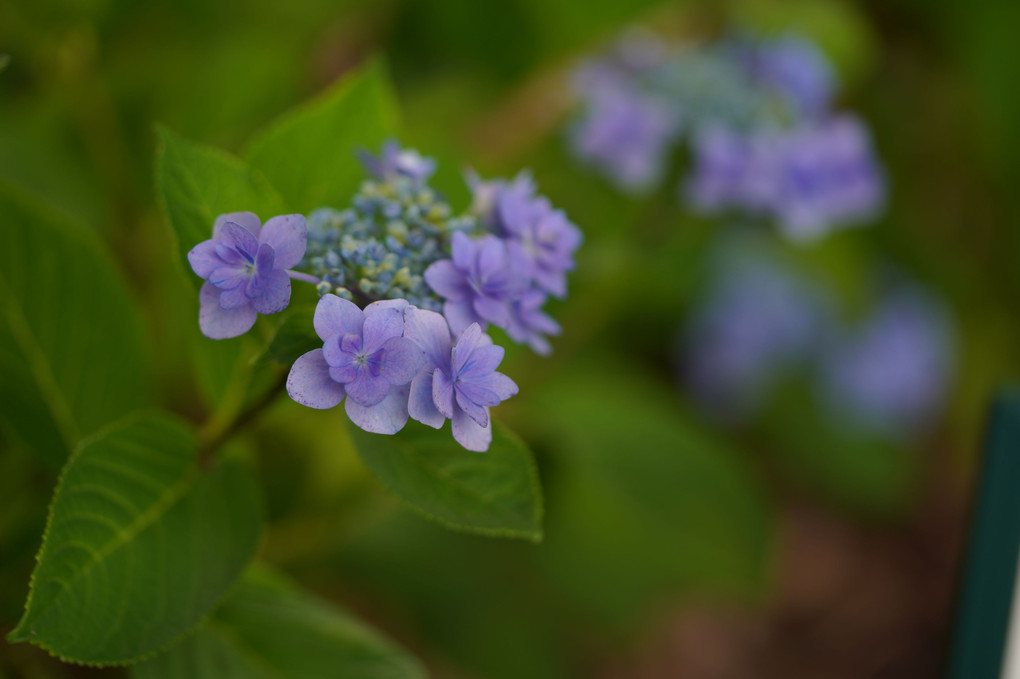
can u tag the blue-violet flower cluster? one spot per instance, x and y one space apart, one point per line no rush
758 116
407 290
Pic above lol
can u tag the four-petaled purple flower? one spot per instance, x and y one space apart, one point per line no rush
366 357
480 281
245 267
459 382
395 162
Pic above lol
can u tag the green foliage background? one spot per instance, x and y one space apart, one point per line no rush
126 126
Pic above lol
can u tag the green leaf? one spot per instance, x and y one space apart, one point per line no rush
294 337
198 183
141 543
492 493
267 628
309 154
73 352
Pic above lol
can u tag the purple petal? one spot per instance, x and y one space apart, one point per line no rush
335 315
265 259
474 410
420 404
501 386
229 277
379 328
203 259
493 310
442 393
553 282
274 295
248 220
402 360
235 236
462 249
219 323
235 299
398 304
482 362
447 280
333 352
460 315
430 332
468 392
288 235
388 416
367 389
466 344
469 433
491 256
309 383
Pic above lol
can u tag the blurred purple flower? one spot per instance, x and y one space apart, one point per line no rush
459 382
395 162
756 321
245 268
529 324
798 70
627 134
366 357
893 373
480 281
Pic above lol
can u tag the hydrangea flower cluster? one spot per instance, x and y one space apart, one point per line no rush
385 267
760 322
758 116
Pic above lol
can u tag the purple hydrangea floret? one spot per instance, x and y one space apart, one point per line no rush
459 382
479 282
892 374
798 70
395 162
245 268
365 357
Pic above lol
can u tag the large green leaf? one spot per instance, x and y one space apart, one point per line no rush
492 493
141 543
198 183
267 628
73 353
309 154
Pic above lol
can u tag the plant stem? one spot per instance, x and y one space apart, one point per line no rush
306 277
211 441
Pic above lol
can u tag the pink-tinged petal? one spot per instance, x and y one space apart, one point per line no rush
239 238
462 249
288 234
400 305
447 280
420 404
429 331
234 299
274 293
475 411
248 220
335 315
309 382
469 433
366 389
466 344
459 315
501 386
379 328
483 360
402 360
442 393
492 310
388 416
203 258
219 323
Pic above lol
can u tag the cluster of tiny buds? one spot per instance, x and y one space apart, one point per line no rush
406 289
